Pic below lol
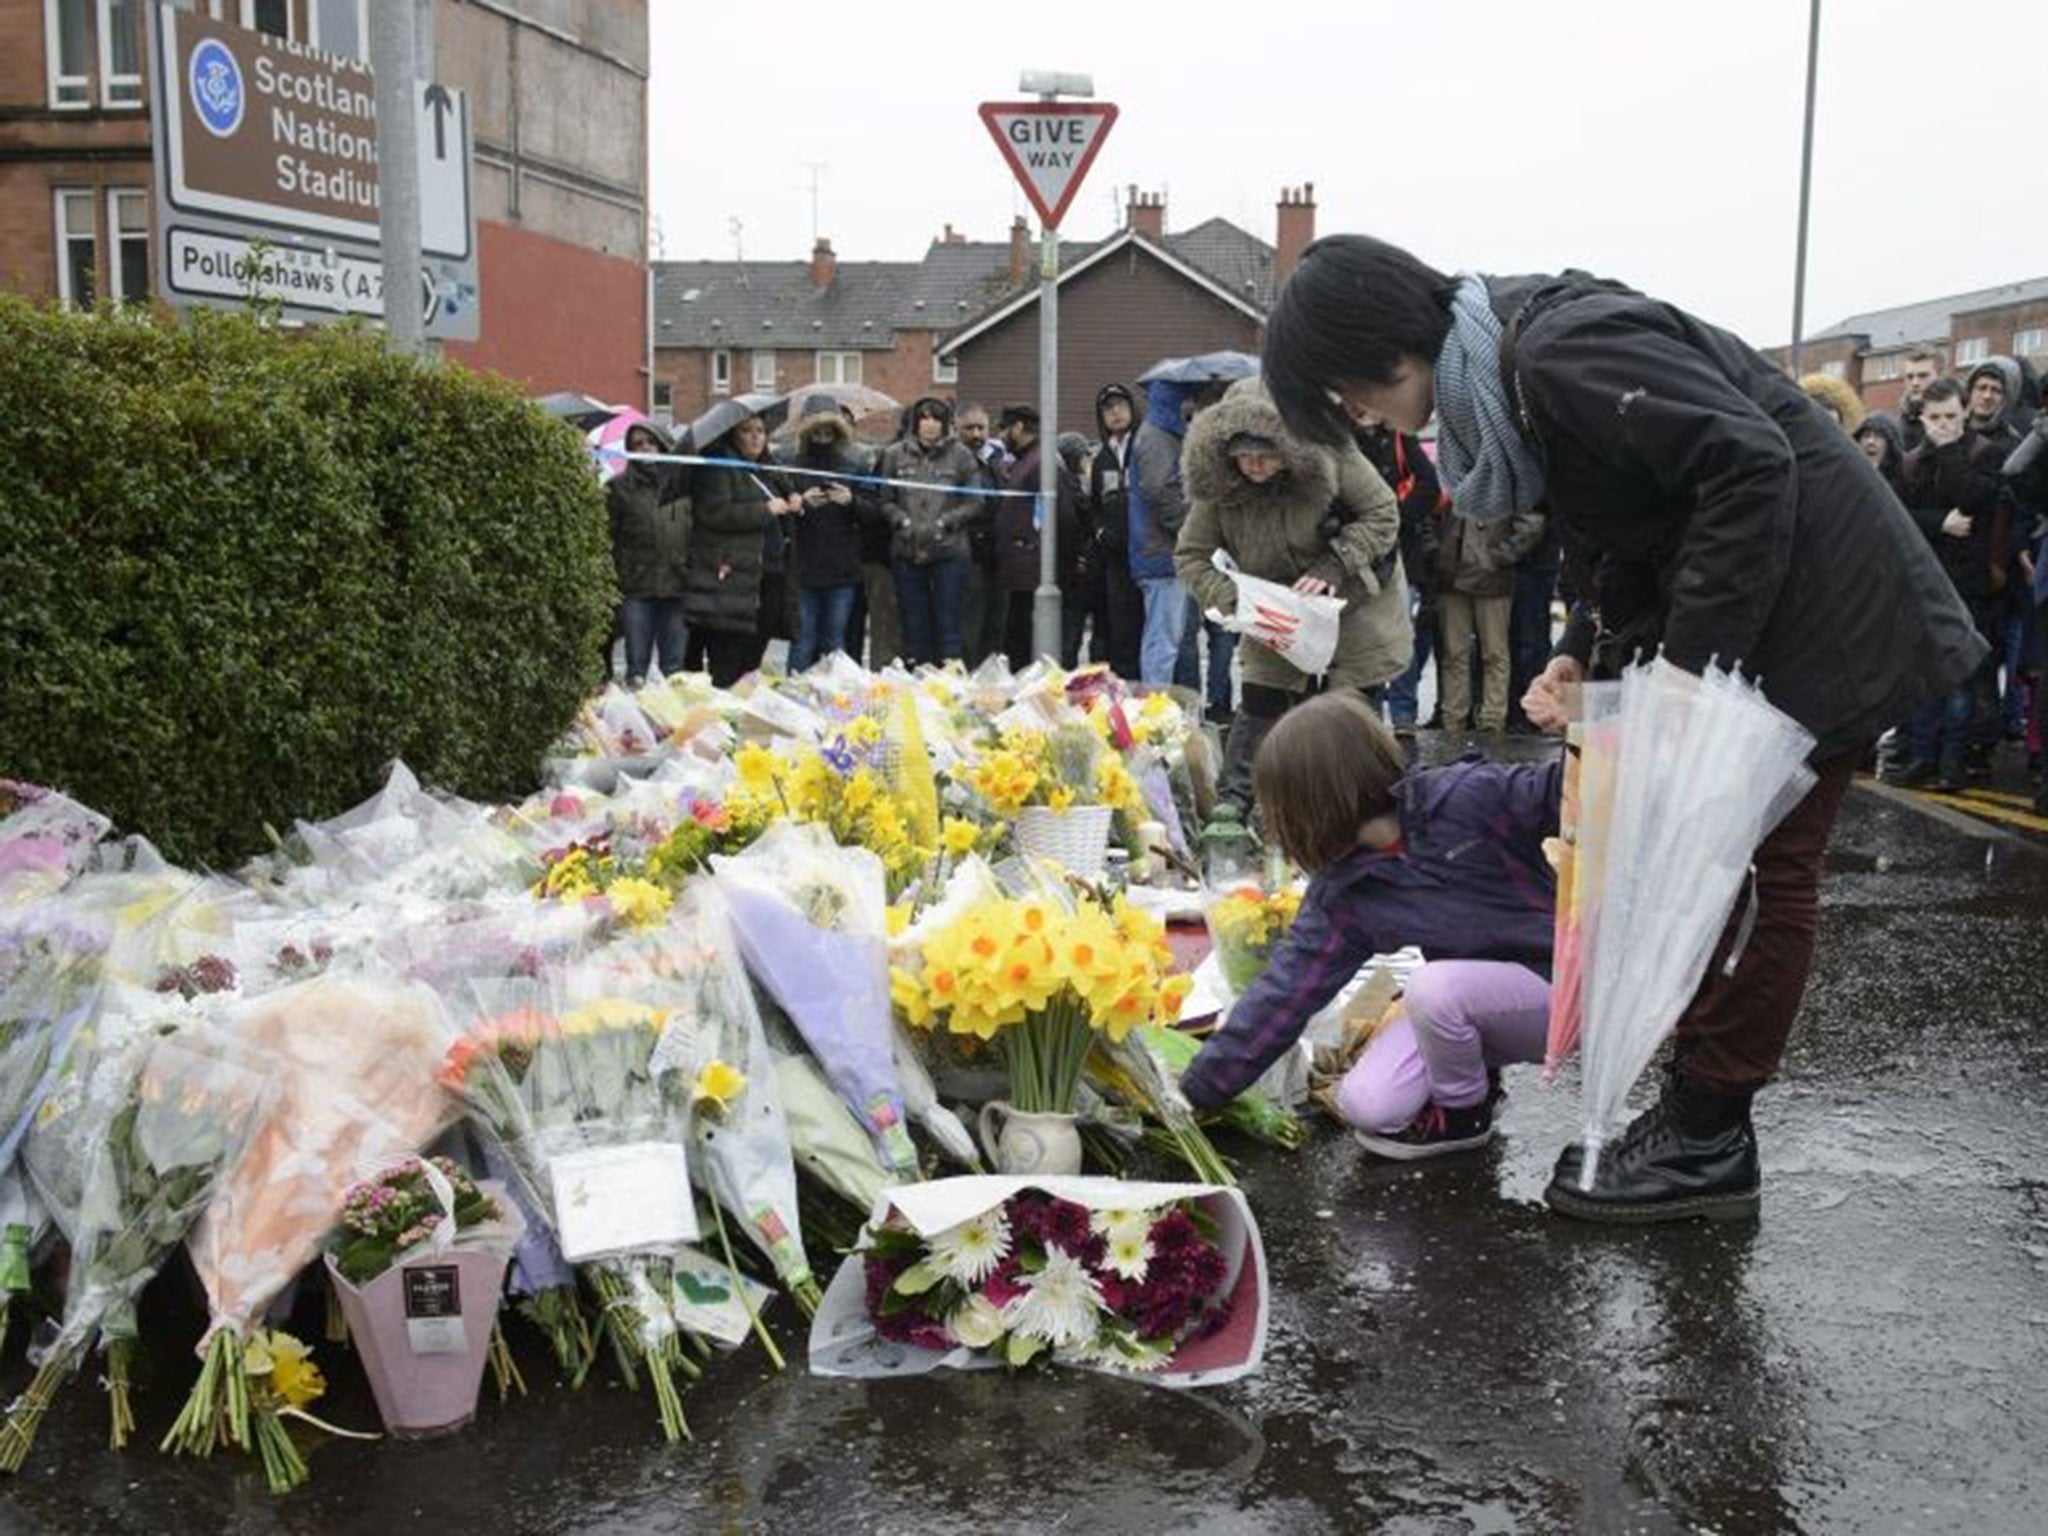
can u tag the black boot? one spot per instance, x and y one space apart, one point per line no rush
1692 1153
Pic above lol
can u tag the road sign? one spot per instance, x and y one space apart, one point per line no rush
266 178
1050 145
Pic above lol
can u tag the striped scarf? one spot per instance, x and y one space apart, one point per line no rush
1489 468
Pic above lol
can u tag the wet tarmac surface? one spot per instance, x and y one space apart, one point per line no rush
1872 1355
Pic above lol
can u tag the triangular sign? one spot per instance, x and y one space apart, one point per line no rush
1050 145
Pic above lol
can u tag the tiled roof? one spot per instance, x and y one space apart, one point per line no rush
700 304
1929 321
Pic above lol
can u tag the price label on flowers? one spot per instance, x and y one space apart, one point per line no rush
433 1310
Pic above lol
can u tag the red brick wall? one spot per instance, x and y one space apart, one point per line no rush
904 373
1116 320
559 317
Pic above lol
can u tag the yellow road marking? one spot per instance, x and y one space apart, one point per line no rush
2025 820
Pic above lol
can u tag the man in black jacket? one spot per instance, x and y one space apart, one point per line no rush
1107 506
1728 520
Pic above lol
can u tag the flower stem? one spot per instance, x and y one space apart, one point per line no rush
738 1284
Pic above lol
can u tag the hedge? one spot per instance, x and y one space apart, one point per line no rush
241 569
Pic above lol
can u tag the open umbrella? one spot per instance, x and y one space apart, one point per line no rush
578 410
608 440
707 429
1207 368
862 400
1706 767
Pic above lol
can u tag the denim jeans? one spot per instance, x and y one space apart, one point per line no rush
1403 693
1166 606
651 624
2018 626
1939 735
1187 663
929 596
823 614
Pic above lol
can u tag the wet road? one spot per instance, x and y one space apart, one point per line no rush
1871 1356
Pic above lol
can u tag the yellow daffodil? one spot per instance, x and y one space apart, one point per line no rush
284 1367
960 836
639 903
718 1084
756 765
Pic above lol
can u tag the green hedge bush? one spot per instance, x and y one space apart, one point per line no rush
241 569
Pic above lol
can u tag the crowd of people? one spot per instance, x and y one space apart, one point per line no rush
926 549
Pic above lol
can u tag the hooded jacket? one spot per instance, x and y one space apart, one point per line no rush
1888 427
1471 883
1327 514
1016 523
828 536
2002 430
648 506
931 522
1724 515
1109 474
729 532
1155 505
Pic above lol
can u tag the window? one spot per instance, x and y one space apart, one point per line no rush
1880 370
945 370
128 228
721 372
838 368
67 52
1836 369
1972 349
342 26
272 16
664 399
120 23
2030 343
764 372
77 241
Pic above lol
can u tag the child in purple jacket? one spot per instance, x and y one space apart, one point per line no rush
1448 859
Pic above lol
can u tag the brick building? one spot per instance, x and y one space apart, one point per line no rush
1869 351
558 98
961 322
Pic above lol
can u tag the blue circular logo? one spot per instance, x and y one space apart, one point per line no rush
217 88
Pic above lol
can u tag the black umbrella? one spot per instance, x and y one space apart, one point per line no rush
580 411
1208 368
707 429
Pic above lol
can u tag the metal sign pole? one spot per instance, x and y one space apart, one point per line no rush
1045 620
392 60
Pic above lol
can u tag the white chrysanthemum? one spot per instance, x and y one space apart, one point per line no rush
1113 1225
977 1322
1059 1304
969 1253
1130 1255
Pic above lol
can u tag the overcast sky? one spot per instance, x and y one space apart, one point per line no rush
1647 140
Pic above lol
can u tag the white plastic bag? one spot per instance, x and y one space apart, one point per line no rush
1291 624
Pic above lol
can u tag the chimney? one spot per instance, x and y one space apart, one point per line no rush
952 236
1146 213
1020 251
824 265
1295 230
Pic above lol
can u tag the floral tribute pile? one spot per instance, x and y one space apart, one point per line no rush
691 1007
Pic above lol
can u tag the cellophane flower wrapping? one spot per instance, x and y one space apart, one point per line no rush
1163 1281
812 923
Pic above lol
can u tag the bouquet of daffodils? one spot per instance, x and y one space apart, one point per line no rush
1246 923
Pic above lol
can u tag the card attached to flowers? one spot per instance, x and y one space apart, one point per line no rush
1164 1282
622 1199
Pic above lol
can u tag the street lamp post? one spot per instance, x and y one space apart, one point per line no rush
1805 192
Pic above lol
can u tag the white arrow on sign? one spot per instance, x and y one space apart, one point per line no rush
1050 145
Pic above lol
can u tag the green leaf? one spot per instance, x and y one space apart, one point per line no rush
1020 1351
916 1280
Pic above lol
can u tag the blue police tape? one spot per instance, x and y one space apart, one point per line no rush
840 476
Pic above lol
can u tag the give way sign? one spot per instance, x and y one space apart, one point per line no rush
1050 145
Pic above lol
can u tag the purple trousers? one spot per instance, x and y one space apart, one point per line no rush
1460 1018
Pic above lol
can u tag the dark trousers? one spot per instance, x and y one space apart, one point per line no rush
651 625
1529 638
728 655
1084 611
825 616
1259 708
1123 605
1187 667
1734 1031
930 598
1018 612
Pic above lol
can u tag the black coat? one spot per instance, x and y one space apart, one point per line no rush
829 537
1962 476
729 529
649 511
1406 467
1729 517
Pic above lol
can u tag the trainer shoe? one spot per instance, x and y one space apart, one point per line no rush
1434 1132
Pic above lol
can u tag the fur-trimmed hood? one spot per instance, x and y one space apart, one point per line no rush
824 428
1209 475
1836 395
